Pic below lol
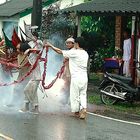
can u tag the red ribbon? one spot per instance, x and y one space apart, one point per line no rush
58 75
27 74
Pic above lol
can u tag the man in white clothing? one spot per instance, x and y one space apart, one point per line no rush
78 59
70 45
126 53
66 74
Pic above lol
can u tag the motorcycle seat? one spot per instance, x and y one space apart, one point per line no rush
122 78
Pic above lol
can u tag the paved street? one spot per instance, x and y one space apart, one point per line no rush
62 126
55 123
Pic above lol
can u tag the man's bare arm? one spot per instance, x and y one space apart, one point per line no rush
59 51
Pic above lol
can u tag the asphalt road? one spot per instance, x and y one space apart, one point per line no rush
62 126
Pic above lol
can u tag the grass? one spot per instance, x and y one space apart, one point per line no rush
95 78
120 106
94 97
127 107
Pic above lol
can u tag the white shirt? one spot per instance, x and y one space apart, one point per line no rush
67 70
78 60
36 45
36 74
127 49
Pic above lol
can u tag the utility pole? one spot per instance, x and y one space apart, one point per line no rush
36 13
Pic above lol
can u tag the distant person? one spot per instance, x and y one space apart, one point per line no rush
127 52
78 59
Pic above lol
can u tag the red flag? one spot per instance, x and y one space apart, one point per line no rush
15 39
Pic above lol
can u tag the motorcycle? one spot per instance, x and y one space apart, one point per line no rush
114 88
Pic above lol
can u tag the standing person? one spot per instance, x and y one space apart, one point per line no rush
24 68
66 75
30 90
78 59
69 45
126 53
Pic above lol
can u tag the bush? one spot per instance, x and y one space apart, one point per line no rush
100 39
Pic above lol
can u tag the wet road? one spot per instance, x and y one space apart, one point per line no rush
62 126
55 123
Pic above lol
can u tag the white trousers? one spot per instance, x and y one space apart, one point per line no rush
78 94
30 92
126 68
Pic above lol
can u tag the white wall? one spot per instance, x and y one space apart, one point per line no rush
2 20
8 27
20 21
68 3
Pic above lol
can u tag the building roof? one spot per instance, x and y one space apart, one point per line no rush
107 6
14 7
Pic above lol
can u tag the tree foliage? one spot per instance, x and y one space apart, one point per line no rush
54 21
99 33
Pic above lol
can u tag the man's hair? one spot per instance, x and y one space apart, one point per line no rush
128 31
24 46
81 42
35 34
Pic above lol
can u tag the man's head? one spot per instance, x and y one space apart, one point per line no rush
70 43
127 33
80 43
22 47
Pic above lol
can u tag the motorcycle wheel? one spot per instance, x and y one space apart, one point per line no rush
106 99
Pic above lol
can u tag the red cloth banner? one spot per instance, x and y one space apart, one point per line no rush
58 75
15 39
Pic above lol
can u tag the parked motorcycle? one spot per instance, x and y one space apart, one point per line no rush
115 87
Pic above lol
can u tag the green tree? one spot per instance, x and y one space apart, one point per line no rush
99 33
